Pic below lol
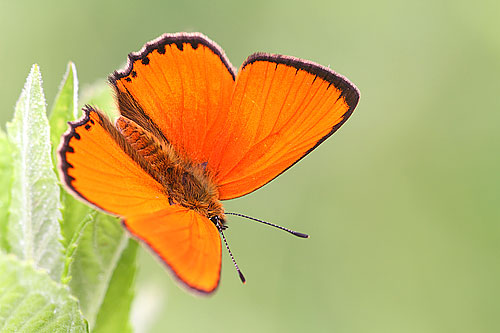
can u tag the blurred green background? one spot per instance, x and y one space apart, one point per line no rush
402 204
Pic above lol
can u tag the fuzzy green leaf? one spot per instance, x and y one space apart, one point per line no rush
74 213
99 247
33 230
5 186
65 107
114 313
32 302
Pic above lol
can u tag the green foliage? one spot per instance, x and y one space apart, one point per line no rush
115 309
5 184
98 250
64 267
33 229
33 302
65 106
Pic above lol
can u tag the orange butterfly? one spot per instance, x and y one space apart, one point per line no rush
192 131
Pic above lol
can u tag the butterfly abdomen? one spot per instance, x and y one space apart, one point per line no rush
187 184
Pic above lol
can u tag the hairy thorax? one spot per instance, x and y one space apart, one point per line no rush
186 184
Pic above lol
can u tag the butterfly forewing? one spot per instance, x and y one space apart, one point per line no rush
281 109
181 84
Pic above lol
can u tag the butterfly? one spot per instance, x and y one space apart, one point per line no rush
193 131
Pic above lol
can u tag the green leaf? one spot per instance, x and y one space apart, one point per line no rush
65 109
99 247
32 302
114 313
65 106
33 230
5 186
72 245
74 213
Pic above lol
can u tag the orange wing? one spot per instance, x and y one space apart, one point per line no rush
281 109
186 241
100 167
178 87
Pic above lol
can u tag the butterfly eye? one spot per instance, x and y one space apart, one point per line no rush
219 222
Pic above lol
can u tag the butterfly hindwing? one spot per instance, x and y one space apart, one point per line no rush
186 241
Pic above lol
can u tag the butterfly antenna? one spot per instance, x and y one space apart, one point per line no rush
221 227
295 233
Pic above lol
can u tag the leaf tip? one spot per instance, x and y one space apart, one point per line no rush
35 71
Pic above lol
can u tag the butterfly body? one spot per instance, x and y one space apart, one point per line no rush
187 184
193 132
